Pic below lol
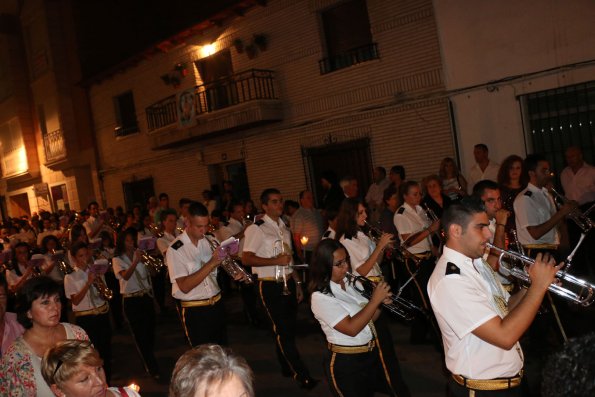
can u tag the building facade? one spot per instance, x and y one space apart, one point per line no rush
520 75
47 150
273 94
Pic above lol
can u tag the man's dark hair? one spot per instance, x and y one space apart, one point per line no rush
183 201
198 209
571 371
398 169
76 247
530 163
266 193
33 289
388 193
92 203
165 213
461 213
482 146
480 187
163 196
216 214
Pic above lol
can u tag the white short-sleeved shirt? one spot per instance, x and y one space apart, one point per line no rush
532 207
359 249
329 310
409 220
90 224
183 259
579 186
13 278
56 274
163 244
463 300
265 238
140 279
74 282
329 233
476 174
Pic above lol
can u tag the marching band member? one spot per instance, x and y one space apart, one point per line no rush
352 364
480 322
94 224
365 257
91 309
21 271
137 297
192 271
537 221
267 249
415 230
168 221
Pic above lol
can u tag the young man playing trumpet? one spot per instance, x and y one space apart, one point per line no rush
192 271
480 322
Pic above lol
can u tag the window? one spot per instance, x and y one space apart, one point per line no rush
348 38
558 118
125 114
12 148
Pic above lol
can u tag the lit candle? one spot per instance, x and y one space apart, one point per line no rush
304 241
134 387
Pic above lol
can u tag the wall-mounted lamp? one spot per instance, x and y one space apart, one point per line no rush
208 49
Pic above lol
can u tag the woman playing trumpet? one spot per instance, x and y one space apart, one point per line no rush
90 308
353 363
137 292
365 256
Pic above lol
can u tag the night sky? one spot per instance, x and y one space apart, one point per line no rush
112 31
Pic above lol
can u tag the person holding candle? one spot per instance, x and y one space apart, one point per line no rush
307 221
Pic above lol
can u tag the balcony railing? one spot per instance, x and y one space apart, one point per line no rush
349 58
54 146
254 84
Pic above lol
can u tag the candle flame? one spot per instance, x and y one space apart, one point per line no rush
304 240
134 387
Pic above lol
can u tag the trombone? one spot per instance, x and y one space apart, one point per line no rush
399 306
572 288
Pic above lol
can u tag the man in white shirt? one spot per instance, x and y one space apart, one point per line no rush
484 168
192 271
480 322
93 225
578 179
306 221
536 217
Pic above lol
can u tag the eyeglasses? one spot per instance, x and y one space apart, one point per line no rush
342 262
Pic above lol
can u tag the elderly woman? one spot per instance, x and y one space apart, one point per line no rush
38 310
73 368
210 370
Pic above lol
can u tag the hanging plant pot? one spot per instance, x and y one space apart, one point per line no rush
261 42
250 51
239 45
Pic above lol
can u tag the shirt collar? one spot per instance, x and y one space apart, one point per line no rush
457 257
279 224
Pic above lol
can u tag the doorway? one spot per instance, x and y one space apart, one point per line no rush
60 198
348 158
138 192
234 172
219 89
19 205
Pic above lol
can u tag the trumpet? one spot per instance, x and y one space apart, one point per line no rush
230 265
64 267
581 219
433 218
65 240
155 230
399 306
99 267
155 264
572 288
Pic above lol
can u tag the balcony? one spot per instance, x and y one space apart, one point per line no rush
349 58
237 102
54 146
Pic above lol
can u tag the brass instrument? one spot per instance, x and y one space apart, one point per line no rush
65 240
36 261
230 265
433 218
581 219
156 230
99 260
64 267
155 264
399 306
572 288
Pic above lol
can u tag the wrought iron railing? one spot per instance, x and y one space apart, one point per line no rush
233 90
54 145
348 58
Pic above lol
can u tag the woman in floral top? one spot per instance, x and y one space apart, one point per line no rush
38 310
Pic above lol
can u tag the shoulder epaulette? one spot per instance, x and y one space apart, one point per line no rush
401 210
327 234
177 244
259 222
528 193
451 268
225 223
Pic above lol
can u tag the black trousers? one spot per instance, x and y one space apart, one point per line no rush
158 282
204 324
99 329
355 375
116 301
140 313
456 390
388 357
421 324
282 312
